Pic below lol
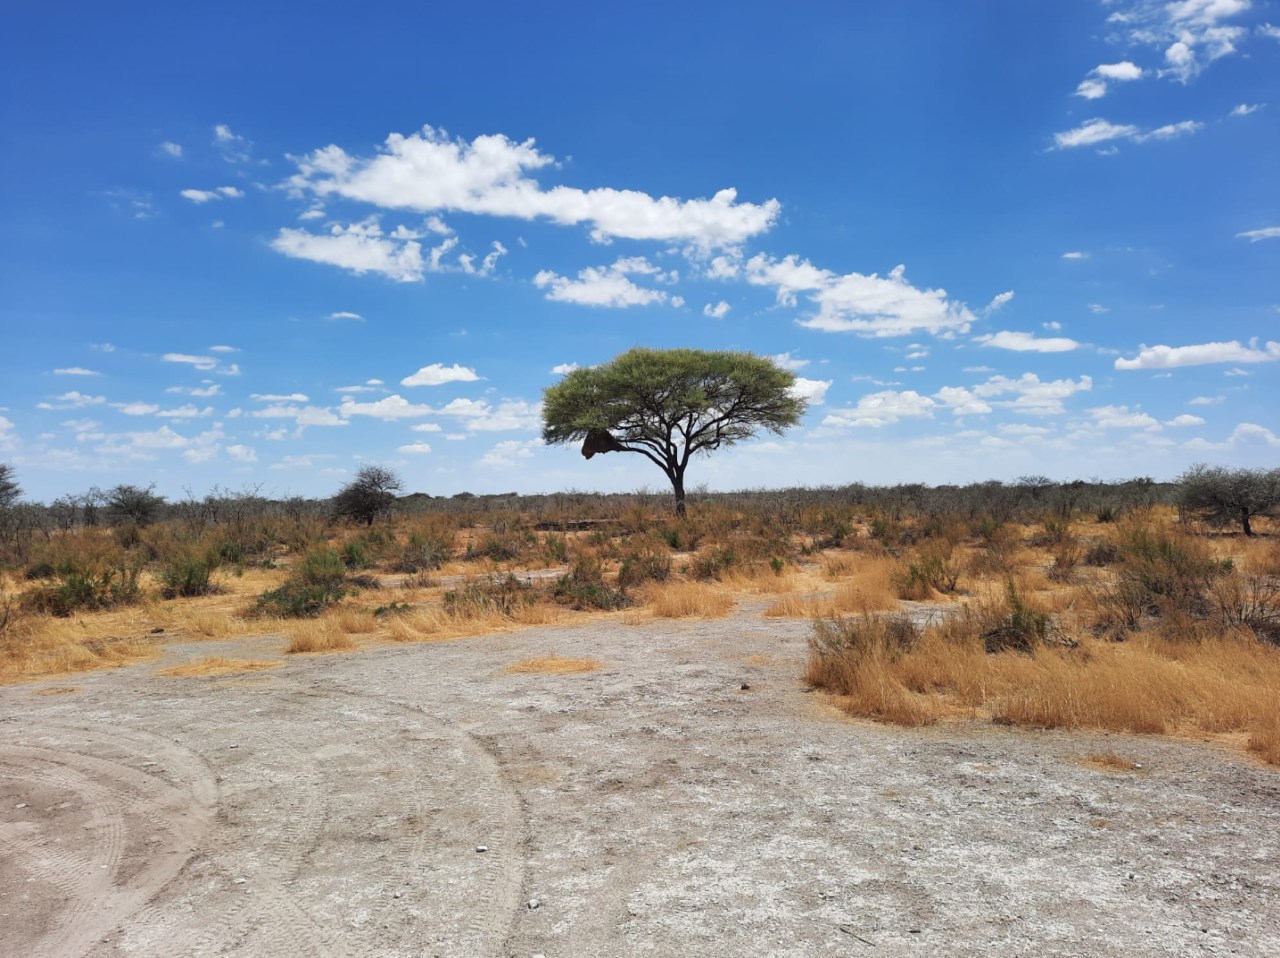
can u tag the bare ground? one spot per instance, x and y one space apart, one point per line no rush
420 800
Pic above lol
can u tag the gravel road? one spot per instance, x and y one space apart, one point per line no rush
420 800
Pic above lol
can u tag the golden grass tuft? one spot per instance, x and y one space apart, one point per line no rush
1110 762
554 665
317 635
687 600
218 665
43 646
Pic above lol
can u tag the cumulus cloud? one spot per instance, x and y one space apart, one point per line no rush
437 374
563 369
479 415
242 453
1028 343
1092 132
1185 420
787 361
1033 396
415 448
233 147
609 286
813 391
1267 232
1191 33
203 392
301 415
1170 130
1122 417
961 401
867 305
388 409
509 454
75 371
719 311
999 302
1244 433
430 172
882 409
1244 109
72 400
170 149
1095 84
1170 357
360 247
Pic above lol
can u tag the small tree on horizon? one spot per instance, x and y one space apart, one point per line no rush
1222 496
668 405
9 488
132 504
371 493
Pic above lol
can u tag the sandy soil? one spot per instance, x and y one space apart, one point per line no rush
420 800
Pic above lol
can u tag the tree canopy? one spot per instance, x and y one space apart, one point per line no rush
371 493
668 405
1222 496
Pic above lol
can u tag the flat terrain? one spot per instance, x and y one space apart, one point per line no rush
422 800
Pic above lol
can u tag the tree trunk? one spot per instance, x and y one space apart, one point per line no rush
1244 521
677 485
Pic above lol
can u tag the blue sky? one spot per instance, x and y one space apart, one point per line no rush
267 243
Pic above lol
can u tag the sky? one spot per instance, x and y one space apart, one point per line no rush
261 245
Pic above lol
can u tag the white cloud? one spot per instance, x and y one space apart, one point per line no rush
75 371
509 453
1267 30
430 173
1185 420
204 196
866 305
136 408
1093 132
1075 254
608 286
233 147
1245 432
415 448
961 401
1268 232
1026 342
242 453
882 409
205 363
301 415
437 374
563 369
345 314
360 248
787 361
223 349
170 149
719 311
1171 130
1034 397
1244 109
277 397
202 392
1205 400
813 391
1122 417
1095 84
999 302
72 400
479 416
185 412
425 427
391 408
1169 357
1191 33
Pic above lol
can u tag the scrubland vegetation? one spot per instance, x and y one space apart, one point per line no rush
1084 605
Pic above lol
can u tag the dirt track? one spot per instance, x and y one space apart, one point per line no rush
335 806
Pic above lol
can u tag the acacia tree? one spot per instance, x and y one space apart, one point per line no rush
368 495
668 405
9 488
1222 496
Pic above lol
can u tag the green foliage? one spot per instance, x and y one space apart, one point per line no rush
932 569
643 565
354 555
1221 496
425 551
1017 627
505 595
583 587
395 608
318 582
10 491
88 576
189 572
133 505
669 405
712 564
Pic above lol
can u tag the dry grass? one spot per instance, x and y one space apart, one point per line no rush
554 665
218 665
1111 762
687 600
42 646
433 622
316 635
866 586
